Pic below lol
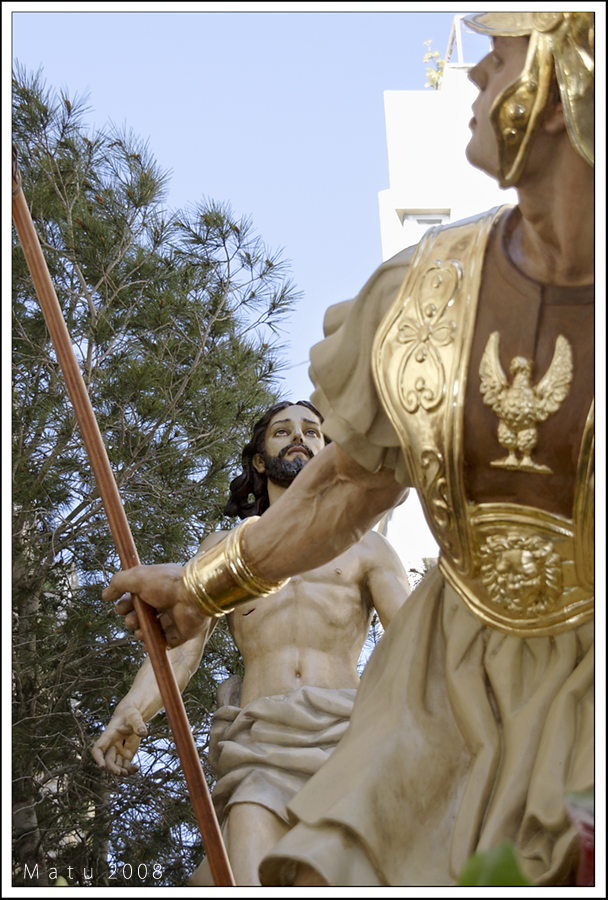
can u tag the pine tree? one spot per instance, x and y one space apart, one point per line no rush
175 318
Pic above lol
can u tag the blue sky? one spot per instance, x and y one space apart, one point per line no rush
279 113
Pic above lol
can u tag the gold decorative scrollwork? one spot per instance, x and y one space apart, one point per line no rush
422 376
437 488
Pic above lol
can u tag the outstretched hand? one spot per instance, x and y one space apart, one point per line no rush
161 587
119 743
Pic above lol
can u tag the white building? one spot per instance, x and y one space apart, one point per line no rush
431 182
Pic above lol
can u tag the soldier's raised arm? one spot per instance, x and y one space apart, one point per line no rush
326 510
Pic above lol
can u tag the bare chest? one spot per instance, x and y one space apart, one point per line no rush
314 609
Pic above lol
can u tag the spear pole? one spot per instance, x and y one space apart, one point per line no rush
154 638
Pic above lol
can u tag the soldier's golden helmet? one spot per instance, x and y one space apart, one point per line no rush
561 46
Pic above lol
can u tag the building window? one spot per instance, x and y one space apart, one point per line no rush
423 218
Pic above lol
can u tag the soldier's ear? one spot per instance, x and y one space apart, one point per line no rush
553 120
258 464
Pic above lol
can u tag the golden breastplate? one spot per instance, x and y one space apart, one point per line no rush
519 569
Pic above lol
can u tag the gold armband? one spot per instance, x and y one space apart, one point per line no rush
219 579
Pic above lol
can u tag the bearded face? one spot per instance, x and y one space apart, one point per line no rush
282 469
293 436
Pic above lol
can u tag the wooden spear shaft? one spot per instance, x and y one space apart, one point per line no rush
153 634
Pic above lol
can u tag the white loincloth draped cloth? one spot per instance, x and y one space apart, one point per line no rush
461 737
266 752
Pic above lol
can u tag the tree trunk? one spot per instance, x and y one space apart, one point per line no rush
27 842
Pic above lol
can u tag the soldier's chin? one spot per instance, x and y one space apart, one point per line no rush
472 157
477 162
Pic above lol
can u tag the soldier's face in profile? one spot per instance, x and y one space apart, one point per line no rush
492 75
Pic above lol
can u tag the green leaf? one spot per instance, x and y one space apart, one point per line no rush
497 867
583 800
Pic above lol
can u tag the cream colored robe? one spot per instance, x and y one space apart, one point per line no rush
461 735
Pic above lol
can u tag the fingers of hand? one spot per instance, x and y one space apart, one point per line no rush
166 620
110 761
124 605
123 759
172 632
132 622
137 724
117 586
97 754
101 746
116 760
129 749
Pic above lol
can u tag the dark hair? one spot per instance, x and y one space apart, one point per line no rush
249 481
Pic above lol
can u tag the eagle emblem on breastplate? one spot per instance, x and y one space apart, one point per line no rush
521 405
